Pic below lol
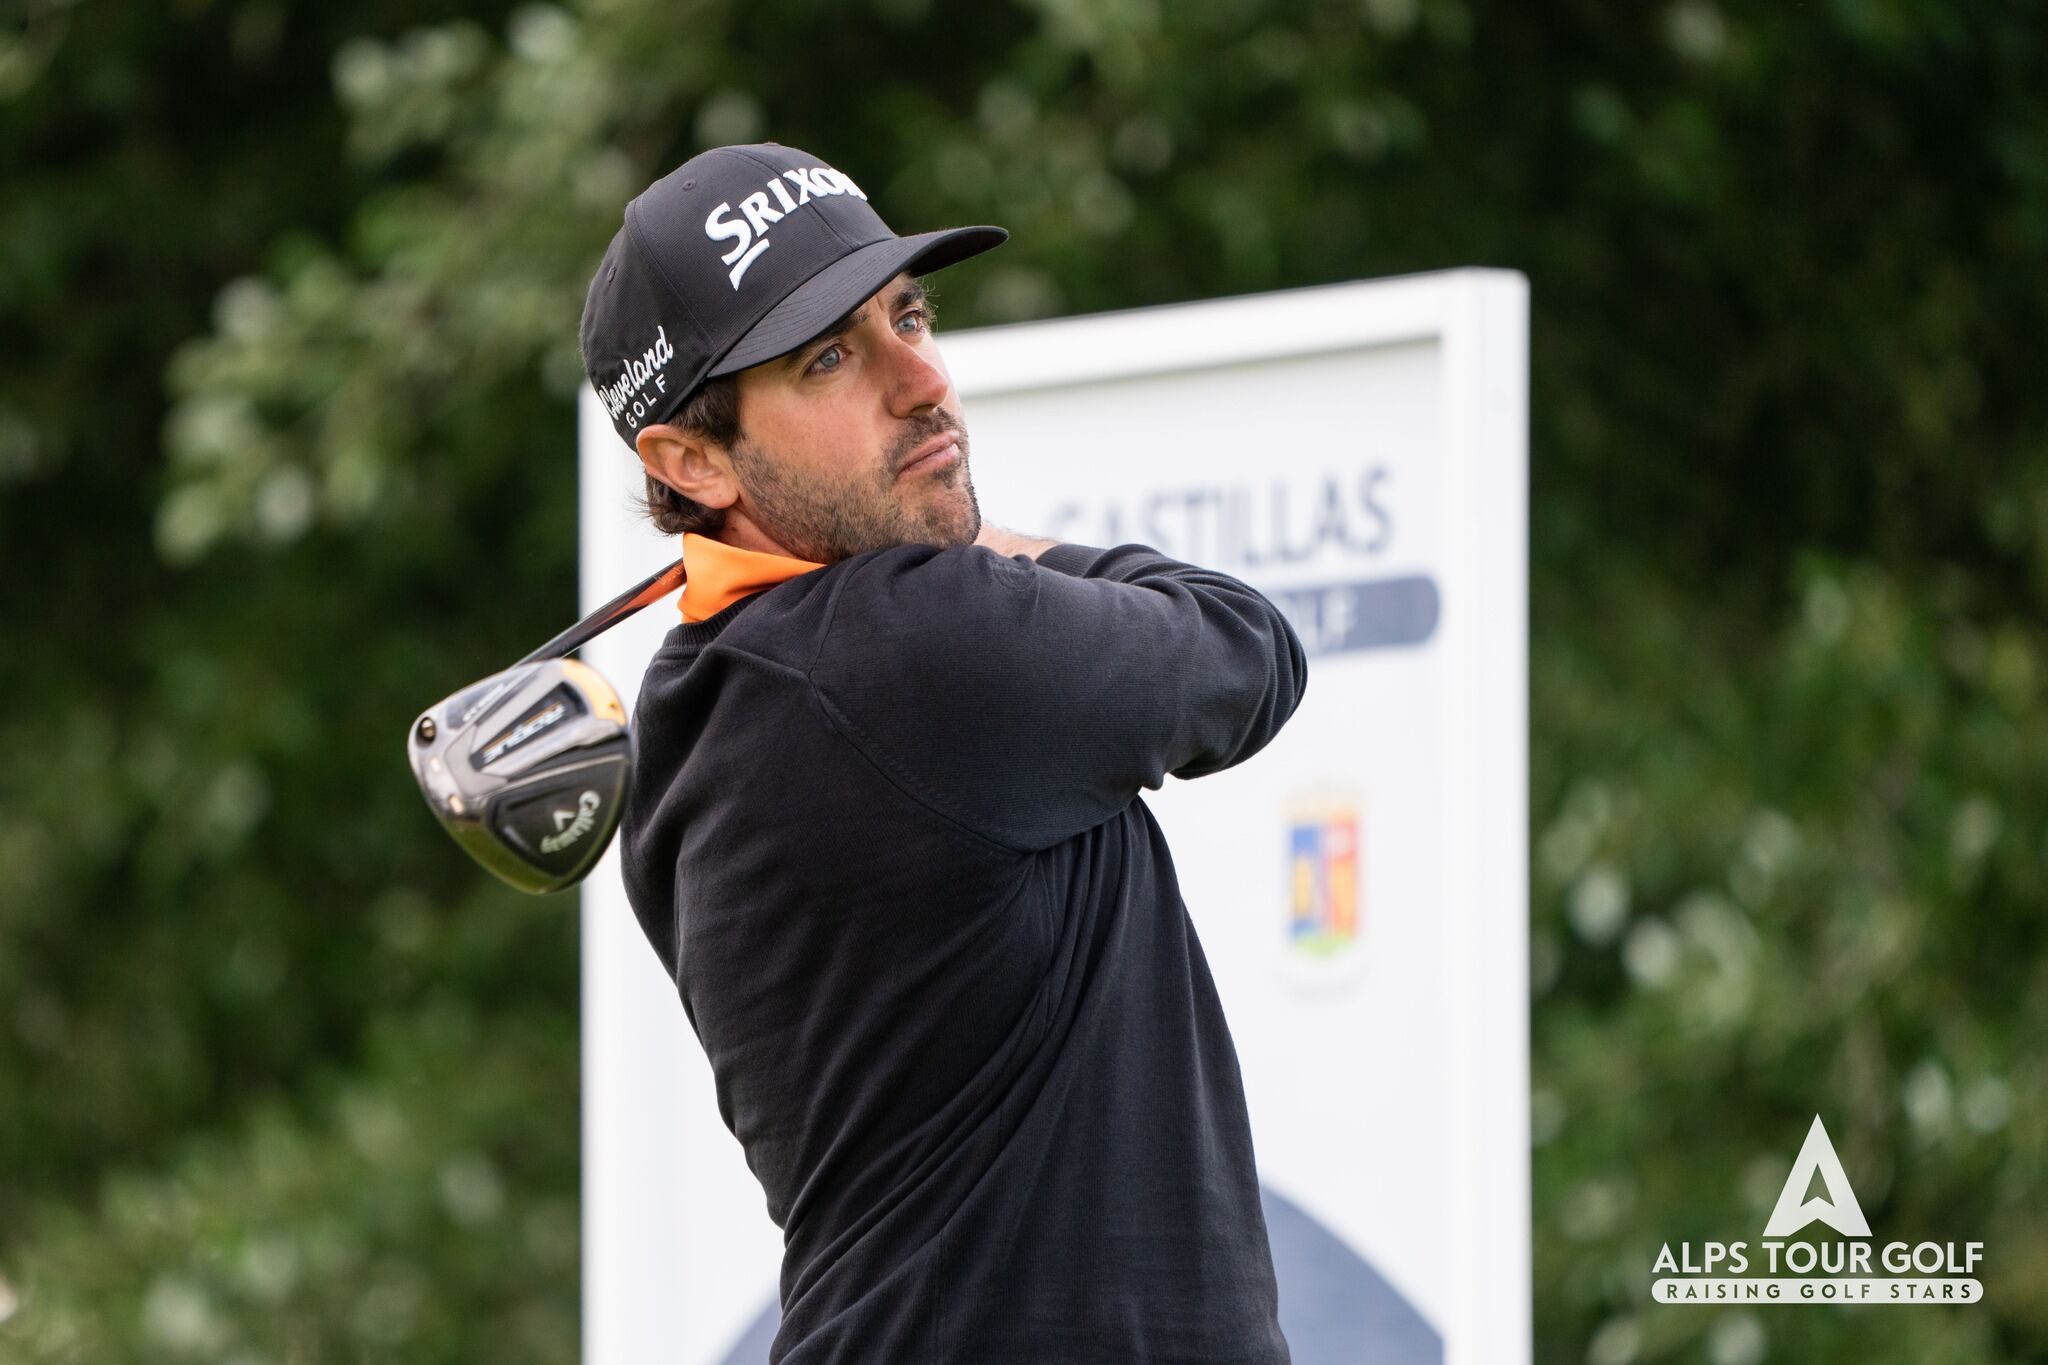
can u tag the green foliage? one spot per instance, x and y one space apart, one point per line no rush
1778 874
287 444
422 1205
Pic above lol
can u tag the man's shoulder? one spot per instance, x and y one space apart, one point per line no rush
869 611
902 591
878 568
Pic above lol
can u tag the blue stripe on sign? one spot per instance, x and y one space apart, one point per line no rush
1377 613
1335 1309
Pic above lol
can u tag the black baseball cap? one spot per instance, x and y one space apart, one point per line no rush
739 255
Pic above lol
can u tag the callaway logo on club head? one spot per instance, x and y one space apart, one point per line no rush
749 232
572 825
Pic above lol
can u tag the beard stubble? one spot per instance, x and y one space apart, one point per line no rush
827 521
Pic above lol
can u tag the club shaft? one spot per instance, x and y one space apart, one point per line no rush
610 614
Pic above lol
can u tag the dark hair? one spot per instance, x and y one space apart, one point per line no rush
713 414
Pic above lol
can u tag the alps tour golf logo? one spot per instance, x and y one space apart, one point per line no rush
1855 1270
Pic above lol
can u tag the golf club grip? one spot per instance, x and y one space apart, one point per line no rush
610 614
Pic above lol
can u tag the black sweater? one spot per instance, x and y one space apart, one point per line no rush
885 834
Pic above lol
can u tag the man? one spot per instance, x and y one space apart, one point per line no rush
885 831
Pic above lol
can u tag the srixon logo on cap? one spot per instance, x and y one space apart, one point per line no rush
749 231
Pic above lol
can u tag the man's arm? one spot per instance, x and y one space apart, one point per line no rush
1009 543
1030 701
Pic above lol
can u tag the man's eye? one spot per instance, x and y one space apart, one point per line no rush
918 318
827 360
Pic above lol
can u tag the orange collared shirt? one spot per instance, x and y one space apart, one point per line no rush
721 574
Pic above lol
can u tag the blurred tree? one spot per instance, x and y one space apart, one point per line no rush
203 906
1790 781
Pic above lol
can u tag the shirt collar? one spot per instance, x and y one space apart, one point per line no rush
721 574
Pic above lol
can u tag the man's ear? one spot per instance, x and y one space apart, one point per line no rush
698 469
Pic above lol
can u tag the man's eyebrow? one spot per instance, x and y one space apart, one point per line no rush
912 292
859 314
795 359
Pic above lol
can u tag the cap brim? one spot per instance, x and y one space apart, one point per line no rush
842 286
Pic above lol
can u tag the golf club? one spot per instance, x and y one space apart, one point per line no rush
528 768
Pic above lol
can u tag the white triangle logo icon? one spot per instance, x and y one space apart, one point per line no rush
1839 1209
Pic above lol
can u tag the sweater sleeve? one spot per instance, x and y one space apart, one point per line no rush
1030 701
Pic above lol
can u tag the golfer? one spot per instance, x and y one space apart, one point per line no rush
885 830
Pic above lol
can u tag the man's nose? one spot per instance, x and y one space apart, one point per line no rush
918 379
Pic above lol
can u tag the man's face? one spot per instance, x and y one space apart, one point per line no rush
854 441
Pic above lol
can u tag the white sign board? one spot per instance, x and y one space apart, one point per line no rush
1359 454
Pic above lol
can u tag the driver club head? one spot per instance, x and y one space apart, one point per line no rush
527 769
